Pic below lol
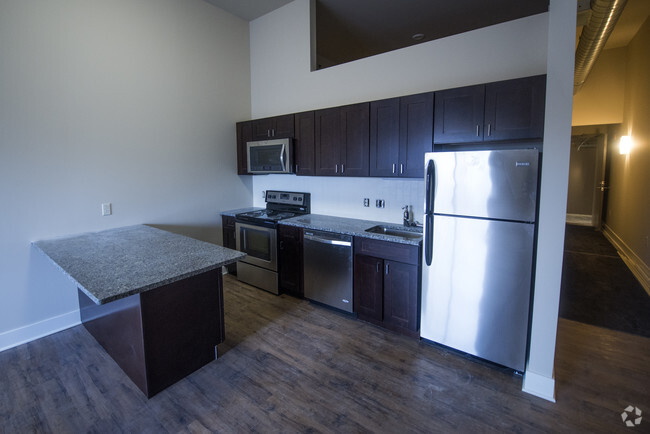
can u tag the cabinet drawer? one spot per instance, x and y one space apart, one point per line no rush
406 253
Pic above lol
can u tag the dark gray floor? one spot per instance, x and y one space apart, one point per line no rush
289 366
597 286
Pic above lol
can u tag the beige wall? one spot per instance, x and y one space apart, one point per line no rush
628 210
600 100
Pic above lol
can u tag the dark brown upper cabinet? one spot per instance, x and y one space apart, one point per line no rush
401 131
276 127
244 134
342 140
303 145
500 111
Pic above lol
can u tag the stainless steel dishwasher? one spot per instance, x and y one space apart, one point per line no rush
327 260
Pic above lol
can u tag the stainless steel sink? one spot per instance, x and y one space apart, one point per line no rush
397 231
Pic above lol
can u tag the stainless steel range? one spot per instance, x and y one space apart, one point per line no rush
256 235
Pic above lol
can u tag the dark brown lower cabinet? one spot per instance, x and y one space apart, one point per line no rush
228 232
386 290
290 260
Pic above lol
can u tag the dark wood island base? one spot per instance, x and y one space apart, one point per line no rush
162 335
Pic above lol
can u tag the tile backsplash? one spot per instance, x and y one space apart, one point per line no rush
343 197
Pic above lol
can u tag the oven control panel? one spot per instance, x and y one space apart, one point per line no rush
287 198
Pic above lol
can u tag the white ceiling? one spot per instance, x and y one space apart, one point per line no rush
248 10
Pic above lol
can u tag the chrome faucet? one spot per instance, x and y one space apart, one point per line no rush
407 215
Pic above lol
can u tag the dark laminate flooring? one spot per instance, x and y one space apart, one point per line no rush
597 286
289 366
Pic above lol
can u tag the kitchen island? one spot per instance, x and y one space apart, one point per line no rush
151 298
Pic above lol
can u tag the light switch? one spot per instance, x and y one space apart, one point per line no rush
107 209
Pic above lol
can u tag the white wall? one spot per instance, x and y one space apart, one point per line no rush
281 82
117 101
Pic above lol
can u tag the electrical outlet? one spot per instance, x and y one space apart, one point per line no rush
379 203
366 202
107 209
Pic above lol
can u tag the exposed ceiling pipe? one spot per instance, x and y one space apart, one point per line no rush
604 15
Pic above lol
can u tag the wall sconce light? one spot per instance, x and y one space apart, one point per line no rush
625 145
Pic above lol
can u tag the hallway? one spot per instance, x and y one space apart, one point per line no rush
597 286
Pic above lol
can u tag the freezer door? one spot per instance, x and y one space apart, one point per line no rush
490 184
476 293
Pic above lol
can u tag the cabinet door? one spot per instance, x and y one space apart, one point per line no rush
458 116
384 137
401 295
355 149
273 127
244 134
261 128
289 260
514 109
228 233
283 126
327 141
415 133
303 148
368 287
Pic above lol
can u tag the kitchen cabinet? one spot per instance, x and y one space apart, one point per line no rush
244 135
303 145
229 233
290 260
342 137
500 111
387 284
275 127
401 131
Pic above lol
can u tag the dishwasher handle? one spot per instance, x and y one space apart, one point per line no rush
311 237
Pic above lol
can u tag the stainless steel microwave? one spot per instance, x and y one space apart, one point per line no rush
270 156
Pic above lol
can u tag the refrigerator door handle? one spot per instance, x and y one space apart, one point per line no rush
428 241
430 187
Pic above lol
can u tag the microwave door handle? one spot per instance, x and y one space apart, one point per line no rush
282 154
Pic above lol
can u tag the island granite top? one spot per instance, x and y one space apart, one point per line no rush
117 263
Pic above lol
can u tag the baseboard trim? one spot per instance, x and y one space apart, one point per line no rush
640 270
539 385
579 219
22 335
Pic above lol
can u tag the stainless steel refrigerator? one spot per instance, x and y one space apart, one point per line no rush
479 229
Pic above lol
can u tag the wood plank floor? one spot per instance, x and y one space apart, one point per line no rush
289 366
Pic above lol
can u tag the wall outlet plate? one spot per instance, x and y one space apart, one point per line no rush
366 202
380 203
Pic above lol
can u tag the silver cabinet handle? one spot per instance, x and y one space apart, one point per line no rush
377 267
477 130
401 168
336 168
342 168
394 167
386 268
489 129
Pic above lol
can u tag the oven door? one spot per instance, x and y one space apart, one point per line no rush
259 243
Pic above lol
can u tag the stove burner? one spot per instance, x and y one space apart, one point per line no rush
280 205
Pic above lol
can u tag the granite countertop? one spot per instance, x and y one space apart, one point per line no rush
117 263
350 226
